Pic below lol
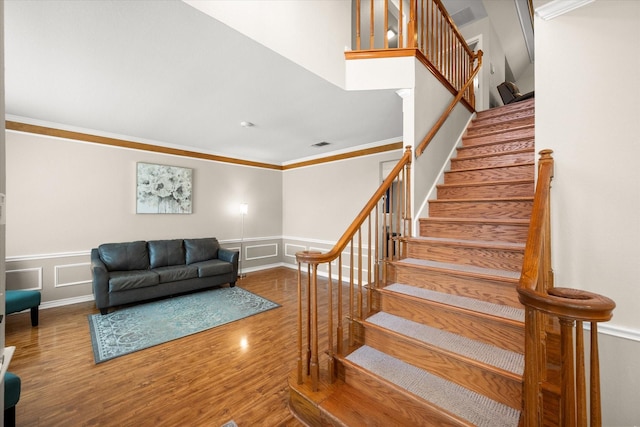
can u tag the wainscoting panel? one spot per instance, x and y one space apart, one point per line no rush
24 278
72 274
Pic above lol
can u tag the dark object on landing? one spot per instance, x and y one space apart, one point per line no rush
510 93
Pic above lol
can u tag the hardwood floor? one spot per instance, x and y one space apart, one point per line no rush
205 379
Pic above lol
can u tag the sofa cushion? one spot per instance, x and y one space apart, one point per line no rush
201 249
174 273
213 267
124 280
124 256
163 253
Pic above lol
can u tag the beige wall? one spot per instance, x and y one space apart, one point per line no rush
587 111
493 59
68 197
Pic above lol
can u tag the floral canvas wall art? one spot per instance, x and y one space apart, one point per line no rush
163 189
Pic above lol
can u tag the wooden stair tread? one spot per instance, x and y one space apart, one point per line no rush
504 312
493 221
480 200
485 183
468 270
496 154
499 131
346 407
493 167
453 398
495 244
508 362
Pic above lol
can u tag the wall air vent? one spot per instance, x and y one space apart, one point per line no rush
320 144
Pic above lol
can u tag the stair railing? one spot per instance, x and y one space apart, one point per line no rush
397 28
546 307
360 260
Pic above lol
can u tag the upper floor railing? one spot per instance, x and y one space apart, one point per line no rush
422 25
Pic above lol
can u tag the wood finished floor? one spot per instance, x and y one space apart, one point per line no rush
205 379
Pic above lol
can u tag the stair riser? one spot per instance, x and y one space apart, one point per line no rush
494 332
493 174
503 387
481 209
474 231
501 147
501 259
408 407
493 160
496 290
486 191
528 105
478 128
499 137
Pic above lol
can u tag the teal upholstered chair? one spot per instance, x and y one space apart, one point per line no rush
21 300
11 397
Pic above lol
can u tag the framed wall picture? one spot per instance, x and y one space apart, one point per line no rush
163 189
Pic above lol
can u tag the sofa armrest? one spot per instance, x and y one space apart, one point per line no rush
100 280
229 256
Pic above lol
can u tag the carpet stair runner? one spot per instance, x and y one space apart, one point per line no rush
446 347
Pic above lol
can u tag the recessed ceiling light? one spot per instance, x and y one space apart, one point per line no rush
320 144
246 124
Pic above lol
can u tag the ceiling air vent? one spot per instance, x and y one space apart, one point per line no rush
463 17
320 144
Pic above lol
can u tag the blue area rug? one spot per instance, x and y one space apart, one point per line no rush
142 326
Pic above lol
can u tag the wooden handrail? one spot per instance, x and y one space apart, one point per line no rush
383 220
317 258
445 115
546 306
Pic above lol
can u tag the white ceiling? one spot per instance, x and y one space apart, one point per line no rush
165 73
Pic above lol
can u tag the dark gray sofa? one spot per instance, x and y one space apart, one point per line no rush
131 272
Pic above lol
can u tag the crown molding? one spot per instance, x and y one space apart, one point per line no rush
556 8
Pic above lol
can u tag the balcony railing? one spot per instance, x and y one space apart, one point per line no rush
388 28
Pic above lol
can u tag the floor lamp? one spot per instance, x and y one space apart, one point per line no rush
244 208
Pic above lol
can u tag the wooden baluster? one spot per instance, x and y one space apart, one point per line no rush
400 26
386 23
581 394
376 250
351 296
358 43
331 361
315 367
568 404
340 331
308 355
371 27
360 301
300 357
531 391
369 264
594 393
412 32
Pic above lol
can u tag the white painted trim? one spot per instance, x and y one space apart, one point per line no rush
556 8
57 268
616 331
246 251
66 301
47 256
288 245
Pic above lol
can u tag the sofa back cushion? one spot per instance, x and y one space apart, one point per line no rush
165 253
198 250
124 256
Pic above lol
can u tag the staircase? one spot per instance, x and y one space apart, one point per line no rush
446 347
